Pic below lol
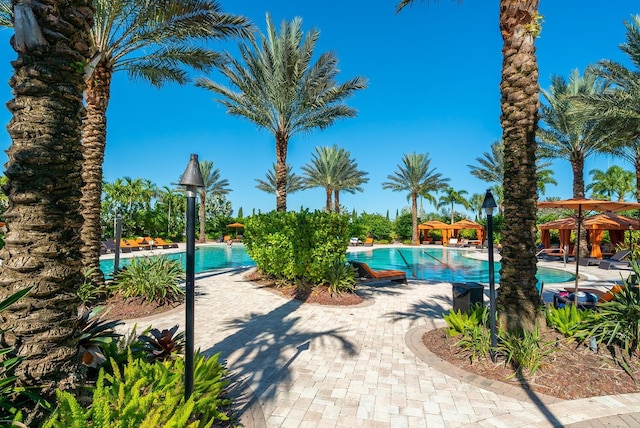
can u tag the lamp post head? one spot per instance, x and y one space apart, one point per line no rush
192 177
489 203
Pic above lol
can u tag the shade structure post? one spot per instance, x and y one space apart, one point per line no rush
577 250
117 236
488 205
191 179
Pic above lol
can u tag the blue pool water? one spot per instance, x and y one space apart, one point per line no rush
443 265
206 259
424 263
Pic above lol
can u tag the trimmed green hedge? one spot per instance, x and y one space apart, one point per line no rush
297 245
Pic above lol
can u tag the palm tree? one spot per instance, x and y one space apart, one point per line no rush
348 179
567 133
294 181
491 168
43 247
475 202
615 181
452 197
171 199
333 169
618 110
213 185
277 87
153 42
519 26
415 177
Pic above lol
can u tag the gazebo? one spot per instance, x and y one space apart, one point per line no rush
595 225
468 224
437 224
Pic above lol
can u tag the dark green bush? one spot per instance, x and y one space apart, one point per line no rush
297 246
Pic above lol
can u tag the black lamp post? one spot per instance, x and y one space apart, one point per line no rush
488 205
191 179
630 238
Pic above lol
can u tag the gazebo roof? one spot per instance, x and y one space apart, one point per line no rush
603 221
466 224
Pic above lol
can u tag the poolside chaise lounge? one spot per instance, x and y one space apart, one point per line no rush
618 257
366 274
368 242
163 244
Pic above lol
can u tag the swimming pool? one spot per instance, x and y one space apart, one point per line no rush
439 264
434 264
206 258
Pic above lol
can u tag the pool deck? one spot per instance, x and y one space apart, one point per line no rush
299 365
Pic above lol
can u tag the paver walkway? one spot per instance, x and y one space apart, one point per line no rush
300 365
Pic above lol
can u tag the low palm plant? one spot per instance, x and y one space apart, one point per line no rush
341 277
524 350
154 278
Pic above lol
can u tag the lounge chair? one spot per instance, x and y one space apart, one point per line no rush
616 261
368 242
109 245
159 242
125 247
354 242
366 274
617 257
603 296
453 242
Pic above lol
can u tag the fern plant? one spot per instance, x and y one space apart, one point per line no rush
147 395
566 319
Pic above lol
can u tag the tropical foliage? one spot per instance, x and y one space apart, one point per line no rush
297 246
152 278
277 86
613 184
215 186
146 394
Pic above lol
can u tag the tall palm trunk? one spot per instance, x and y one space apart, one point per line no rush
336 201
281 172
518 299
637 166
42 245
577 167
327 205
94 141
414 218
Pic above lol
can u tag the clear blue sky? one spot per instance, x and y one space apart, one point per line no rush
434 73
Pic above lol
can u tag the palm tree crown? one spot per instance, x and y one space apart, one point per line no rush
294 181
415 176
567 133
333 169
276 86
452 197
